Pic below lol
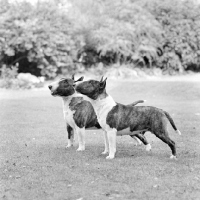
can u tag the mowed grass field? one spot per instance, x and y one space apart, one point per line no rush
35 165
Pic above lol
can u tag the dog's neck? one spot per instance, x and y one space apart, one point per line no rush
102 95
67 100
102 105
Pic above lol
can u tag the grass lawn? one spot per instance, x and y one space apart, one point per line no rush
34 163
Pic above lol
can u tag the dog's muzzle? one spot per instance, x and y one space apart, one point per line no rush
50 87
52 92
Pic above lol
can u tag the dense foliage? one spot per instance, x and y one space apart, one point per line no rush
56 35
41 34
180 21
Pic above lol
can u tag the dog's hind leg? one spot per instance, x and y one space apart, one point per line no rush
70 136
144 141
81 138
159 128
165 138
106 150
138 141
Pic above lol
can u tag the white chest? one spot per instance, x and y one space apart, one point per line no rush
68 113
102 108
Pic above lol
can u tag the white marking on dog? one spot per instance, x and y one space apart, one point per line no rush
68 116
68 113
106 150
70 141
137 140
54 85
102 107
81 138
69 144
178 132
112 143
173 157
148 147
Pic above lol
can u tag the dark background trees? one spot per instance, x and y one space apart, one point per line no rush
52 36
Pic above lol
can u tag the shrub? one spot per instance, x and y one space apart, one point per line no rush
162 33
8 76
147 33
9 79
181 24
43 32
118 31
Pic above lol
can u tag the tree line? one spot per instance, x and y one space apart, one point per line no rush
53 35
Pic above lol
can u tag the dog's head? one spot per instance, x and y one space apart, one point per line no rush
92 88
64 87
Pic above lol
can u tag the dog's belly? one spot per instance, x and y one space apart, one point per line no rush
127 131
92 128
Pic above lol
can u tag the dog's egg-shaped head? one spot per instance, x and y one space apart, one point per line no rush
91 88
64 87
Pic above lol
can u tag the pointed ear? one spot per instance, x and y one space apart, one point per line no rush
103 84
101 79
73 76
80 79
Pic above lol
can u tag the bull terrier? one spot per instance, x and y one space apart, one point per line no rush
79 114
114 117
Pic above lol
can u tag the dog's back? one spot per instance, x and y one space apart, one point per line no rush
135 117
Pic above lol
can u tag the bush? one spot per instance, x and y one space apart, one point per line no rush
42 32
143 33
162 33
9 79
181 24
8 76
118 31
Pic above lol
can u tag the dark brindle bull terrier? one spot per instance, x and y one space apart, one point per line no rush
79 114
114 117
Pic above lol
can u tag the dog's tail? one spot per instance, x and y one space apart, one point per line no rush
136 102
172 122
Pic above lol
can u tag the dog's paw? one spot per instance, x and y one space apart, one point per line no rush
68 146
138 143
109 157
148 147
173 157
70 143
80 149
104 152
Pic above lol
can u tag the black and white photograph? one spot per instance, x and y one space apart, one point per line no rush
99 99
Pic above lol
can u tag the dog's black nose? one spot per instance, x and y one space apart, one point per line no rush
50 86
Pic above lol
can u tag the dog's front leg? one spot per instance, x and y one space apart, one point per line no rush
106 150
112 143
81 138
70 136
